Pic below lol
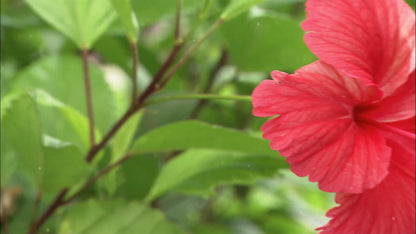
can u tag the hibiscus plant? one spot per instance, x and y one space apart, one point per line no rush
148 117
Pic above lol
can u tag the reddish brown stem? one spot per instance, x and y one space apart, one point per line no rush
169 61
48 212
94 150
178 20
135 64
88 95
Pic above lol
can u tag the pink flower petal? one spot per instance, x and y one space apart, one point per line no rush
316 129
399 106
371 40
387 208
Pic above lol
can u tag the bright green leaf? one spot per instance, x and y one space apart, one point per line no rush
198 171
83 21
64 166
153 10
22 130
110 217
51 163
62 78
236 7
127 17
266 42
194 134
62 121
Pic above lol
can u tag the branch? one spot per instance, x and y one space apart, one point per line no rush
178 20
90 109
48 212
60 201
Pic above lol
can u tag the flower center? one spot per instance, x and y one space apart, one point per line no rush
359 114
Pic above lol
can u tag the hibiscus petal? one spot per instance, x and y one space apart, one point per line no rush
399 106
371 40
316 129
387 208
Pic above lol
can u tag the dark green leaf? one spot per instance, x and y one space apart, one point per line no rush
266 42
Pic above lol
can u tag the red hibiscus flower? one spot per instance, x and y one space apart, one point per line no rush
348 120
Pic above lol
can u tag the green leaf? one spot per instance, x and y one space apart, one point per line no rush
83 21
196 172
62 78
194 134
151 11
22 130
127 17
110 217
64 166
52 164
266 42
236 7
62 121
135 178
121 144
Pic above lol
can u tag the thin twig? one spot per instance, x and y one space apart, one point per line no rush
96 177
211 79
90 109
146 93
169 61
48 212
36 207
135 61
178 20
165 66
189 53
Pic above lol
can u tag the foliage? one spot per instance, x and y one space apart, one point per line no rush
183 163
